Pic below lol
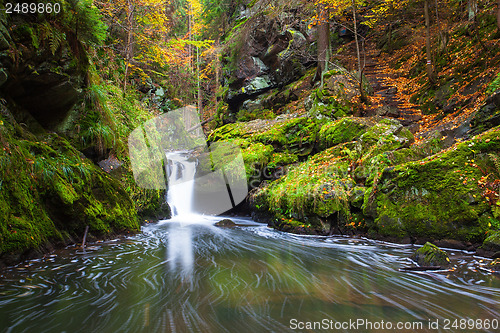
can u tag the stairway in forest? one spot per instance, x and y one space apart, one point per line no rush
388 99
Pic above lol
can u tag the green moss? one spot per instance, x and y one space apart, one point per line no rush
297 135
256 156
231 131
431 255
492 242
494 85
244 115
342 130
437 197
284 158
318 187
39 178
66 192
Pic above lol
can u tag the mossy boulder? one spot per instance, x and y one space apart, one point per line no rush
357 196
431 255
49 193
343 130
256 156
315 192
492 242
439 197
297 135
284 133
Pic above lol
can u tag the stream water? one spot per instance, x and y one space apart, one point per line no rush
186 275
179 277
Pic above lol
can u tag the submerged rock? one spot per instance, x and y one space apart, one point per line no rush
431 255
225 223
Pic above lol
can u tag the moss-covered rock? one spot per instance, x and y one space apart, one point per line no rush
49 193
492 242
438 197
315 192
342 130
285 133
431 255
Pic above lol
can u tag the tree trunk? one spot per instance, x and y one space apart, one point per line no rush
392 18
217 69
430 69
129 45
498 15
360 70
356 36
472 9
323 43
200 97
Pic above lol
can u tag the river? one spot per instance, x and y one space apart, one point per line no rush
190 276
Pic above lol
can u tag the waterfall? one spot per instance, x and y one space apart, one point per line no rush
180 176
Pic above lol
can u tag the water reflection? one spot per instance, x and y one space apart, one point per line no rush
180 250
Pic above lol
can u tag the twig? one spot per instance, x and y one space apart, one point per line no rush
200 124
421 268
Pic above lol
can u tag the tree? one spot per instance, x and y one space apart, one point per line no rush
428 51
498 15
129 47
472 9
142 25
323 41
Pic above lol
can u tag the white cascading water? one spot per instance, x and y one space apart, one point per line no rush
180 175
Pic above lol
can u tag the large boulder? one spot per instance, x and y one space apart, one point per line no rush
439 197
268 56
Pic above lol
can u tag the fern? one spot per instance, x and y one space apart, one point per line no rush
100 135
54 37
34 38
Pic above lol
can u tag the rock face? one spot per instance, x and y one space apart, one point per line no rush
364 174
440 196
488 116
44 85
49 191
431 255
274 53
